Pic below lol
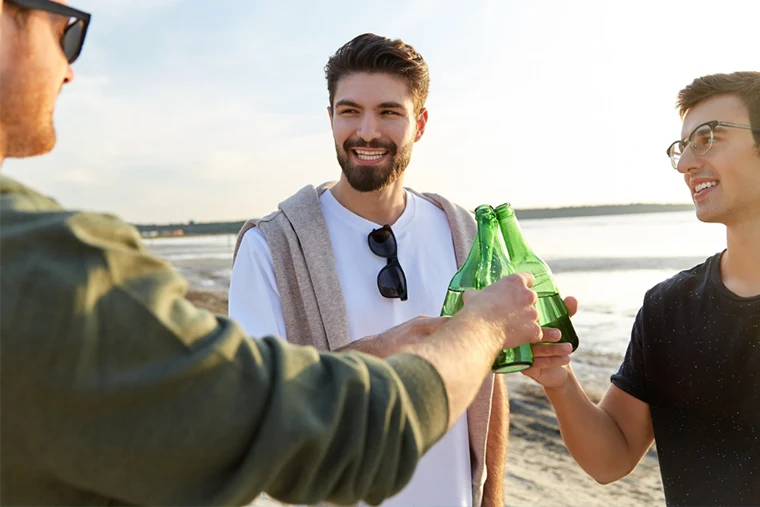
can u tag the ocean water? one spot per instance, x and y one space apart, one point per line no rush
607 262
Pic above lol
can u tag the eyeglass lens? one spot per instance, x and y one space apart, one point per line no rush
701 142
72 39
391 281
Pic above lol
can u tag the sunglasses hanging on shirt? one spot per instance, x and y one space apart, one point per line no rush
391 280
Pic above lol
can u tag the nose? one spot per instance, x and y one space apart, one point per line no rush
689 161
69 76
368 128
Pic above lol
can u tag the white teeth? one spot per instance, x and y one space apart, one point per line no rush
369 155
704 185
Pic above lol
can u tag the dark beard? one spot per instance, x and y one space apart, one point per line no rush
372 179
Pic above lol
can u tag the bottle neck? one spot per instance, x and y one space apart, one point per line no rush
487 232
521 255
516 245
494 261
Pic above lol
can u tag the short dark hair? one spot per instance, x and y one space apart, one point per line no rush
376 54
745 85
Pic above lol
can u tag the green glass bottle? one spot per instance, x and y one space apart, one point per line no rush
486 263
551 308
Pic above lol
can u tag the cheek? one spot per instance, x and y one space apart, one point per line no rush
341 131
402 133
752 176
742 173
46 56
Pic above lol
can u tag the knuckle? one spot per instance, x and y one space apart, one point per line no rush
526 297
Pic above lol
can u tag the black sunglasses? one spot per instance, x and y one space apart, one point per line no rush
391 280
72 39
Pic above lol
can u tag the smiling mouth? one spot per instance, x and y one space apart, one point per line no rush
369 156
704 186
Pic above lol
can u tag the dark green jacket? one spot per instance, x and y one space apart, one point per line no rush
115 389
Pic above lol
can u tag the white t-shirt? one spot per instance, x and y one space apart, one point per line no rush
426 254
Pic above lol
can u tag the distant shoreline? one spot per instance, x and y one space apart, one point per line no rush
601 210
197 228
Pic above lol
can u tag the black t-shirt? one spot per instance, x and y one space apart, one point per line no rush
694 357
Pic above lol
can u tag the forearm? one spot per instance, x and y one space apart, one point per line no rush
496 446
367 345
591 435
462 352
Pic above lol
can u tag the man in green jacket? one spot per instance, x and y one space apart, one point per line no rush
115 389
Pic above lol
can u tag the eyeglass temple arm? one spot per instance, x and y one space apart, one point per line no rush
52 7
737 125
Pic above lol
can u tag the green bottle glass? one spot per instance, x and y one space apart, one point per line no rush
551 308
486 263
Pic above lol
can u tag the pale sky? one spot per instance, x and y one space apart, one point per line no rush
216 110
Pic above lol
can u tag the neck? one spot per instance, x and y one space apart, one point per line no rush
381 207
739 266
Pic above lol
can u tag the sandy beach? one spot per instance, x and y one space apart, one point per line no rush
540 471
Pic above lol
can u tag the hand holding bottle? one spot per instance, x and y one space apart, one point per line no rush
508 305
550 360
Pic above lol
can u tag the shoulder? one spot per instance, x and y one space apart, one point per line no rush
307 195
454 211
69 235
16 198
438 200
254 233
76 265
254 244
427 207
104 252
686 283
305 201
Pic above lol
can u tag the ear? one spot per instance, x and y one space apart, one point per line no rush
422 119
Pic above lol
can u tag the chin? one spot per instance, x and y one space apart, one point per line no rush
710 216
38 144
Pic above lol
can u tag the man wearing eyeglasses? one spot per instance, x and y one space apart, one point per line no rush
115 389
690 380
345 261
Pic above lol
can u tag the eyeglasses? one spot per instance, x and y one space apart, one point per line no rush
73 36
701 140
391 280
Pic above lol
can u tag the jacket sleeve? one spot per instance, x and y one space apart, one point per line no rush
148 400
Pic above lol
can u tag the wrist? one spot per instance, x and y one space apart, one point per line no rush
561 390
490 335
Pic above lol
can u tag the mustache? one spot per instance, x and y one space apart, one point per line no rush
375 143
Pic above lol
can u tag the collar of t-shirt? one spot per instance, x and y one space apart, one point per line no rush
335 210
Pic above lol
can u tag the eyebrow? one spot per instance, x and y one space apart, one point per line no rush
347 103
384 105
390 105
